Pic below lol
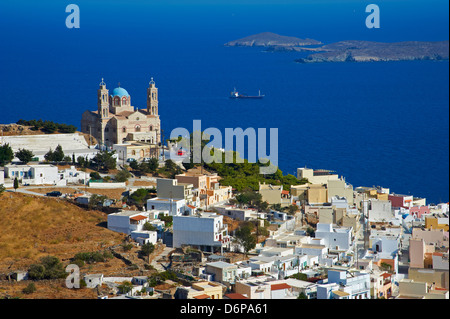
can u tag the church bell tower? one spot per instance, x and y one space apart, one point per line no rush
152 98
103 101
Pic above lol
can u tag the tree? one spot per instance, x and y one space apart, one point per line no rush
148 226
125 287
6 154
292 209
245 237
96 200
105 160
168 220
49 268
16 184
302 296
95 175
147 249
122 176
140 196
153 164
2 189
58 154
24 155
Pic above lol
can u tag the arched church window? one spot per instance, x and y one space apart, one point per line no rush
124 101
124 129
138 128
151 128
116 100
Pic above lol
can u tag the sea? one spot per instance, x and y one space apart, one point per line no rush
376 124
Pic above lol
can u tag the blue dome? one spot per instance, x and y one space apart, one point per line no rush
120 92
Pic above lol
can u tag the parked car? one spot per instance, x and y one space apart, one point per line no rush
129 160
54 194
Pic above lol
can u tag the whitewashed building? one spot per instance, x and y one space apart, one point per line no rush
35 174
176 207
335 238
205 231
345 285
127 221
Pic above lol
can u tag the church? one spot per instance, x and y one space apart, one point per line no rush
116 121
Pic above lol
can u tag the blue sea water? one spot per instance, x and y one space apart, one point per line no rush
381 123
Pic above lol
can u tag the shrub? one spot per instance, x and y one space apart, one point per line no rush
30 288
49 268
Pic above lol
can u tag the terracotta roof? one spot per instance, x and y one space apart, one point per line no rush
204 296
280 286
236 296
285 192
190 206
138 217
386 275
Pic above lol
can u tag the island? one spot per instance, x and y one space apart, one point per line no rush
367 51
347 51
269 39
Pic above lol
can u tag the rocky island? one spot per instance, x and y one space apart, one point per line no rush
367 51
269 39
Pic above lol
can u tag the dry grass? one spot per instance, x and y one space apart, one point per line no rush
115 193
33 227
144 183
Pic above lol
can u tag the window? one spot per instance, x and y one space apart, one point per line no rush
124 129
138 128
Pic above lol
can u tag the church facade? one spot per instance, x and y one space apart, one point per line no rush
116 121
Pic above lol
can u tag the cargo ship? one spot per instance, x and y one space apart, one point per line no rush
235 95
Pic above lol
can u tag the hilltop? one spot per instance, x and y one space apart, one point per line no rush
268 39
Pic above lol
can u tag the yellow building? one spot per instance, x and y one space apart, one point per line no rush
201 290
436 222
310 193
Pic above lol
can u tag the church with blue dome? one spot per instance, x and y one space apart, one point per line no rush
116 121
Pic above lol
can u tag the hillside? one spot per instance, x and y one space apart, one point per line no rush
33 227
268 39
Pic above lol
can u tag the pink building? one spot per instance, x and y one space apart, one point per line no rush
418 211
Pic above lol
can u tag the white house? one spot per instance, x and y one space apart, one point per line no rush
73 176
335 238
93 280
205 231
176 207
144 236
345 285
378 210
35 174
2 177
127 221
